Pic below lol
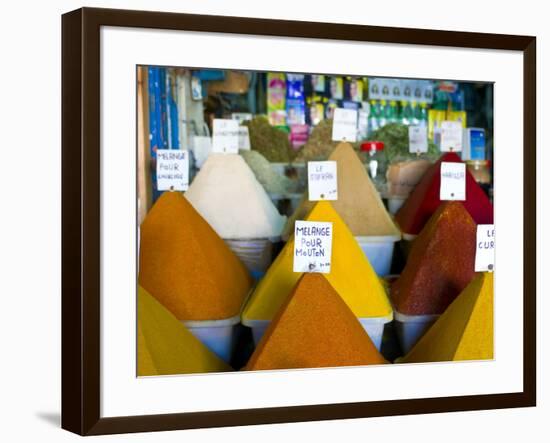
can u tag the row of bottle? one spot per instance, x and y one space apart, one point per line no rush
382 112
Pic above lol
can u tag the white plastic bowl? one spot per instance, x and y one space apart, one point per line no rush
256 254
379 251
217 335
374 327
410 328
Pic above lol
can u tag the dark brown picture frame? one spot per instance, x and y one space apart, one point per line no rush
81 220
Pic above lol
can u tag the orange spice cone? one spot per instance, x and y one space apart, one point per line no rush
165 346
187 266
314 328
464 331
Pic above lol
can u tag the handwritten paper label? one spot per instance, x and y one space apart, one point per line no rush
485 248
244 138
418 139
312 246
451 136
172 169
344 125
453 181
241 116
322 180
225 137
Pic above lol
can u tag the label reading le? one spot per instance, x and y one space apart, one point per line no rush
172 170
451 136
344 125
322 181
312 246
225 137
453 181
244 138
418 139
485 248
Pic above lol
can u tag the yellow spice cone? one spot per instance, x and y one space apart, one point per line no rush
464 331
359 203
314 328
165 346
351 275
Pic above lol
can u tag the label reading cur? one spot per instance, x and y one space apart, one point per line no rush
172 170
485 248
344 125
453 181
312 246
225 136
322 181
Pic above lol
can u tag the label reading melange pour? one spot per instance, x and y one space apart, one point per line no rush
453 181
225 136
485 248
172 170
322 180
344 125
451 136
312 246
418 139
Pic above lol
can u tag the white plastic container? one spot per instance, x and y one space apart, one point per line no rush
373 326
379 251
394 203
256 254
217 335
410 328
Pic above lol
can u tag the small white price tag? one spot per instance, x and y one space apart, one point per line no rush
453 181
225 137
322 181
244 138
451 136
485 248
418 139
344 125
241 116
172 170
312 246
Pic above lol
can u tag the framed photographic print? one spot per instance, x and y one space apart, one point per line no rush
271 221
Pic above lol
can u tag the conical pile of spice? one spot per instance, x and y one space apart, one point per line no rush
440 264
187 266
273 182
314 328
424 199
319 145
165 346
358 203
271 142
464 331
226 193
351 275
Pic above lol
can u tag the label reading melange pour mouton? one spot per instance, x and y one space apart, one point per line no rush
312 246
